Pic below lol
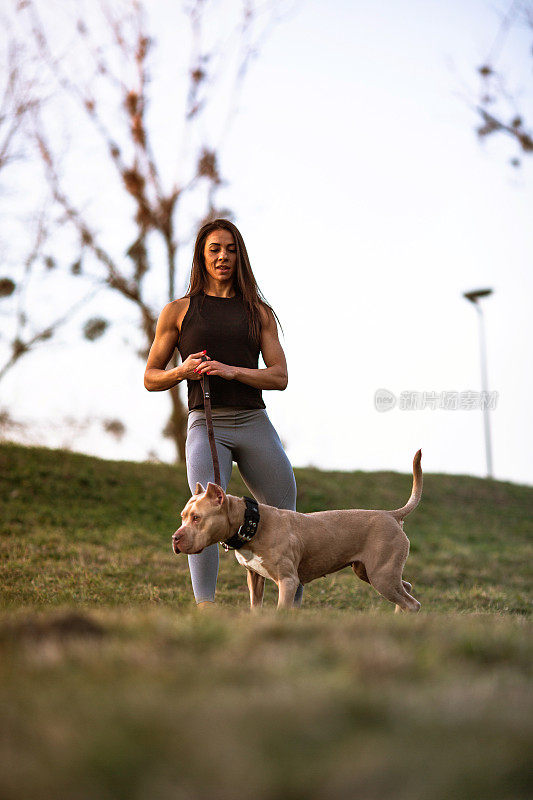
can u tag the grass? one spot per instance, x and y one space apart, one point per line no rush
113 686
79 530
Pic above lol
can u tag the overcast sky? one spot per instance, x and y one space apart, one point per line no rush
368 207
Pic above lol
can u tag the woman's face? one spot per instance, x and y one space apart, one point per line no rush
220 255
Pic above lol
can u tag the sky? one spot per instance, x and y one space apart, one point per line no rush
368 206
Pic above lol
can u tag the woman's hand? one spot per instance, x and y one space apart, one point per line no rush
189 367
216 368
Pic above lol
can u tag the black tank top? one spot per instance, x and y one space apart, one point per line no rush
220 326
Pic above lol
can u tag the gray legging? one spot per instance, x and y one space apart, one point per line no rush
248 437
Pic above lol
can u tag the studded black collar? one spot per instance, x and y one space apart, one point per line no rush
247 530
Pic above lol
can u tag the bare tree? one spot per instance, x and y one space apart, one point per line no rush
20 100
111 92
17 98
498 108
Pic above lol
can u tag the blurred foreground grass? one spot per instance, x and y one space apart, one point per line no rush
113 686
160 704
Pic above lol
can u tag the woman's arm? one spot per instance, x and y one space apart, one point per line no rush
275 374
156 377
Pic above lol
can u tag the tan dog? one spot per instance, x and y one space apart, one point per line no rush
290 547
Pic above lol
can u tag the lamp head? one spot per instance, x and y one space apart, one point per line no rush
474 295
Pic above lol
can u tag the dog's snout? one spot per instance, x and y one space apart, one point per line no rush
176 536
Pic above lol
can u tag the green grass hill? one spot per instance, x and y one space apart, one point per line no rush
80 530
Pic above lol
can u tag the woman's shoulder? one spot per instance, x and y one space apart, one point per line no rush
182 306
266 313
176 310
181 302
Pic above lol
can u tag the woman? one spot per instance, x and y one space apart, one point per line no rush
224 316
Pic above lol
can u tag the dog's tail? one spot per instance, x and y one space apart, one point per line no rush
416 493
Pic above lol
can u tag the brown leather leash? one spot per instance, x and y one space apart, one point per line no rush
248 529
209 424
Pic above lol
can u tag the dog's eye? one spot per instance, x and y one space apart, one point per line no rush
195 517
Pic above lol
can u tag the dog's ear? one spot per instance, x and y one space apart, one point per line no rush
215 493
199 489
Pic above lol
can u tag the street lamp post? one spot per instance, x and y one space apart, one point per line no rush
473 297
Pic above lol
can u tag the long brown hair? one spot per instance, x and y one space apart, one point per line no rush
244 281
